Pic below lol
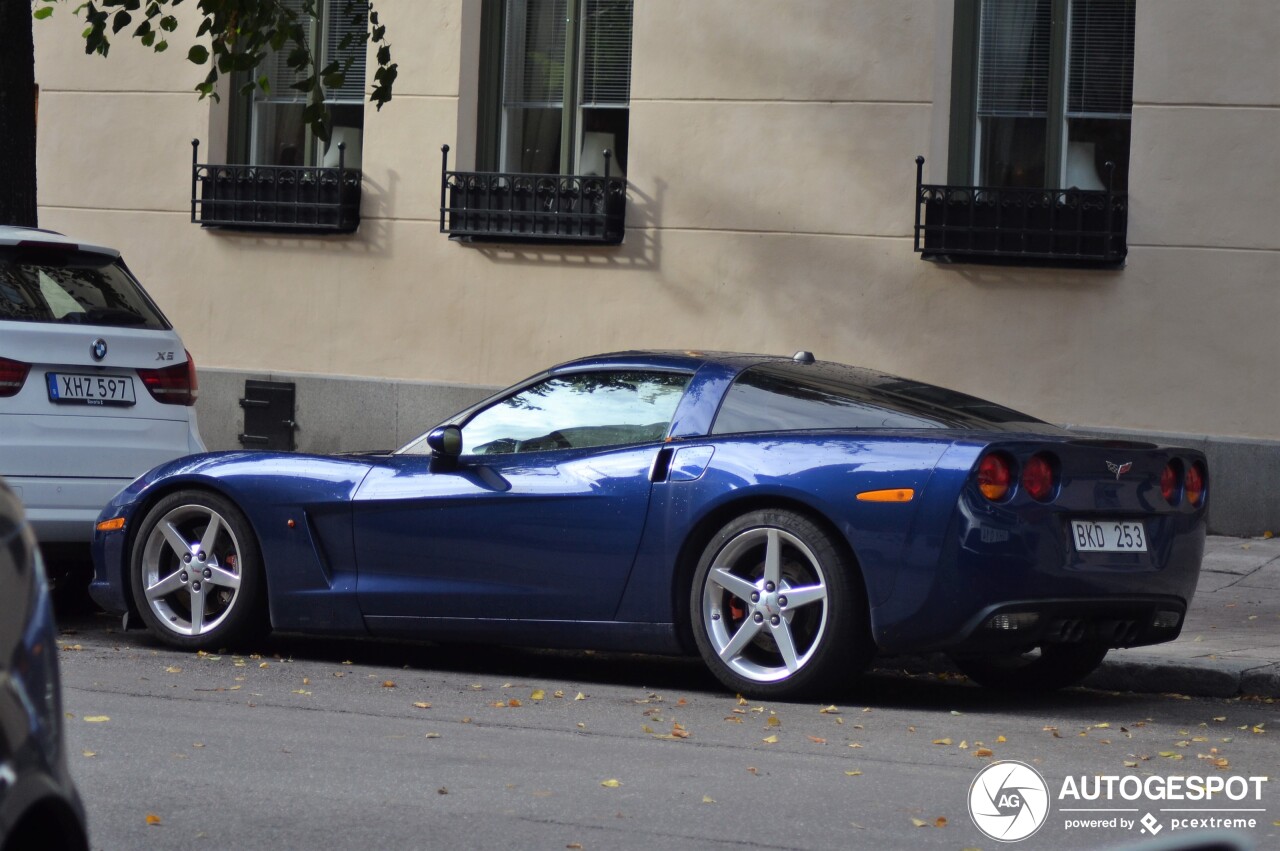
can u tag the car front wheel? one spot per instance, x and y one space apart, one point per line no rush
778 608
196 572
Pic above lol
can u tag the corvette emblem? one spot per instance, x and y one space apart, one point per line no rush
1119 469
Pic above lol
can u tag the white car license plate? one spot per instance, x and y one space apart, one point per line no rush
1109 536
90 389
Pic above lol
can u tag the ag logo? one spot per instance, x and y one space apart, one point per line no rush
1008 801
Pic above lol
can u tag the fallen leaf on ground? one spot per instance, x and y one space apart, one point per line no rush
96 719
580 696
422 704
942 741
707 799
773 721
816 740
388 683
611 784
443 790
264 664
301 691
829 710
940 821
854 773
919 822
90 753
679 731
514 702
432 736
538 694
771 740
153 819
984 752
173 669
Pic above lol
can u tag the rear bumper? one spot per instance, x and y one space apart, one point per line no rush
1021 625
61 509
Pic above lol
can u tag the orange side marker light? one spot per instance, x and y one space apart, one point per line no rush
890 495
112 525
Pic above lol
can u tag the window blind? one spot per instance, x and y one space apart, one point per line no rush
1013 57
606 49
279 75
533 75
1100 58
337 26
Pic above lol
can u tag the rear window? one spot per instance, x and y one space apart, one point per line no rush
800 397
72 288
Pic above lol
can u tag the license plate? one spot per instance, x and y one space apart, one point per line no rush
1108 536
66 387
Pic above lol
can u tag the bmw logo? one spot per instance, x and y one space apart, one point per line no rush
98 349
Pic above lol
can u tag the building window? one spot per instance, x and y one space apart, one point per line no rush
1042 93
267 126
559 87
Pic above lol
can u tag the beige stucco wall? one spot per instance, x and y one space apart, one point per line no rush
770 208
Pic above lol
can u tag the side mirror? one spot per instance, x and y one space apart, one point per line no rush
445 441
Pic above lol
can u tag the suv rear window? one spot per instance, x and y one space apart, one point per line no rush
795 397
73 288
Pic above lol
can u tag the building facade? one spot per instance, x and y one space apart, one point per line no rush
1089 237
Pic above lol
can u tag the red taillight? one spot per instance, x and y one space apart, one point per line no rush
995 473
13 374
172 385
1195 483
1037 477
1170 481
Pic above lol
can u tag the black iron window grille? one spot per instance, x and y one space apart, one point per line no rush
1050 227
511 207
308 199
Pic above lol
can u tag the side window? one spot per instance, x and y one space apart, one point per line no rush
576 411
770 398
558 86
267 127
1042 93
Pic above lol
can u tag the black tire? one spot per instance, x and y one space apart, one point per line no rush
743 640
169 557
1055 666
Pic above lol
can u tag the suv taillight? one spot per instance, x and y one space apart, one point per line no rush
173 385
13 374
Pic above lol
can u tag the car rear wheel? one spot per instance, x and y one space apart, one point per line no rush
196 572
778 609
1051 667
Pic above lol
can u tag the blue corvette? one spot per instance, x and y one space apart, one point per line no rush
785 518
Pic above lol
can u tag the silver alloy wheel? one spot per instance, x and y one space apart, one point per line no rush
780 616
190 570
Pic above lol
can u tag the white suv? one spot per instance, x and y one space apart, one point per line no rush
95 385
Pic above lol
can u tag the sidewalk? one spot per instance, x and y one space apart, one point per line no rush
1230 643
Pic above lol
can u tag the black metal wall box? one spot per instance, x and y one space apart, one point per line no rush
308 199
1046 227
513 207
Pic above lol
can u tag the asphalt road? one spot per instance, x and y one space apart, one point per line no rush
375 745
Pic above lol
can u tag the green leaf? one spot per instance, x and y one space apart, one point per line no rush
120 21
168 23
42 13
161 46
199 54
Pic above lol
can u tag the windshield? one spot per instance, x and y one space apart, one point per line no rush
72 288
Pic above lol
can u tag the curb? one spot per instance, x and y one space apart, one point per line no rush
1198 677
1144 673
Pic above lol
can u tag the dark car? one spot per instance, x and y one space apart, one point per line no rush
39 807
783 517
